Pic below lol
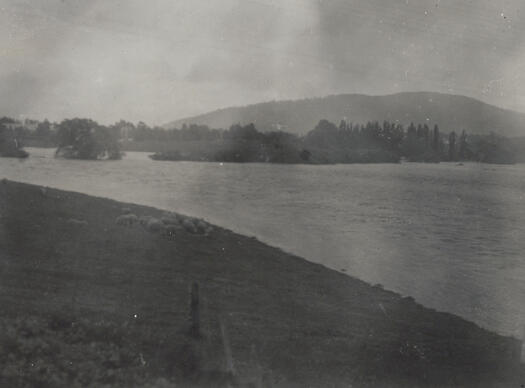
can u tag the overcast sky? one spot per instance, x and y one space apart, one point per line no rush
162 60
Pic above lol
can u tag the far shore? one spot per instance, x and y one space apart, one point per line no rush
155 157
92 296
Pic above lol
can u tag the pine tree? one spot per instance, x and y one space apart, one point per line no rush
452 146
435 139
463 146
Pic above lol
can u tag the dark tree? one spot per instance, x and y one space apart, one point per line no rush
411 131
452 146
305 155
426 135
463 146
43 129
436 139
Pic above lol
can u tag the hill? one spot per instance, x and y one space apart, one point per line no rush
450 112
87 301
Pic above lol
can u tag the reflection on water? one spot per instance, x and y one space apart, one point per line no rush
451 236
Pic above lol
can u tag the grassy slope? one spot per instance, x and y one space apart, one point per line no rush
288 321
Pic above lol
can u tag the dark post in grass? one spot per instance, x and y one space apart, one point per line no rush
194 311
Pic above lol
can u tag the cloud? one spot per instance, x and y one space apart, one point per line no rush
420 45
159 61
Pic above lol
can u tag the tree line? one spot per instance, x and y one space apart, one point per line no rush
373 142
390 141
347 142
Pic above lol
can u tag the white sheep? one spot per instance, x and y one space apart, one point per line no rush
75 222
189 225
143 220
126 219
170 220
172 229
201 226
155 225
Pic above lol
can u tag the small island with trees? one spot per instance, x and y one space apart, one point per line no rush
10 144
86 139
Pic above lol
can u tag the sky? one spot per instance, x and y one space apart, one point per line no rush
161 60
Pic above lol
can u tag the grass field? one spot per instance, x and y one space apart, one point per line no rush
87 301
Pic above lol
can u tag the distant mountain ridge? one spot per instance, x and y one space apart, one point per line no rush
450 112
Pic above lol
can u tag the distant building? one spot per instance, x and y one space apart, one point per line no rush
124 132
279 127
30 125
13 126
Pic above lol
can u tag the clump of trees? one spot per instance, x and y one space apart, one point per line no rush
391 142
349 143
86 139
10 140
141 132
249 145
374 142
491 148
241 144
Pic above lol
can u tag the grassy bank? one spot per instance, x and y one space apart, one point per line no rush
88 298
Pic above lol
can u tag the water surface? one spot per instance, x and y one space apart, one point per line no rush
451 236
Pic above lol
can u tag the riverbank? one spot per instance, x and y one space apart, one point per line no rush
90 300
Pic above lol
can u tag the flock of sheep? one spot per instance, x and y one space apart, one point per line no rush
170 224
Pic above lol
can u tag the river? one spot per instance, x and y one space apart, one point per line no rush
452 236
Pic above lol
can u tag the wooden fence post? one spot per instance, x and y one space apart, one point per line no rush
195 329
230 368
522 355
